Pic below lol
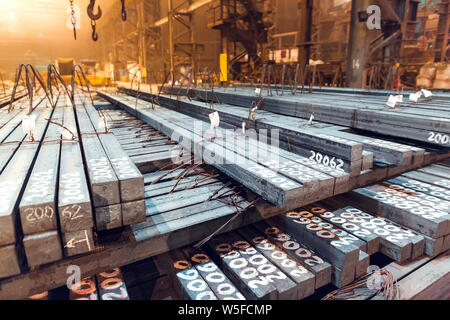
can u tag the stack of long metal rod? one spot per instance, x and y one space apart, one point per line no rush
185 204
396 157
329 144
247 162
426 121
55 177
340 242
116 183
293 254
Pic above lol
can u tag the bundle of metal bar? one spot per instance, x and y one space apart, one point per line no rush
417 200
116 183
177 216
199 278
265 182
428 124
74 201
103 182
13 176
295 134
343 91
399 156
38 209
311 175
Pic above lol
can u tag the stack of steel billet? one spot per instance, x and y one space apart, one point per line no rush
337 246
38 210
340 233
182 125
313 176
439 94
47 196
74 200
295 134
103 182
197 277
264 182
175 195
105 186
422 122
116 184
289 183
390 157
186 204
275 259
149 149
417 200
13 177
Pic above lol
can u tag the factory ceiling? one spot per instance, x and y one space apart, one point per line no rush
39 31
30 20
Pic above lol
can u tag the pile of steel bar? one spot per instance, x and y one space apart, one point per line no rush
193 275
290 169
320 243
332 145
184 203
260 269
61 182
288 89
426 121
291 255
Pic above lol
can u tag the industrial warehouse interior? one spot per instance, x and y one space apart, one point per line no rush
182 150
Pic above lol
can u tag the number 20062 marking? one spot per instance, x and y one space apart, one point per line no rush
326 160
439 138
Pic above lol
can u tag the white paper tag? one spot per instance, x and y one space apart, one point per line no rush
243 127
392 101
311 119
215 119
399 98
257 91
414 97
29 124
426 93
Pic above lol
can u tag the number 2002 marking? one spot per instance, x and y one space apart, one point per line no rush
439 138
318 157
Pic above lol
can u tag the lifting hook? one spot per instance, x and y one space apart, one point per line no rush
94 30
90 11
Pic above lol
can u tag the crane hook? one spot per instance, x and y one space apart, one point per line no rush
94 35
94 30
90 11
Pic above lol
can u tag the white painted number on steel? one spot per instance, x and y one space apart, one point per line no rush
439 138
326 160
